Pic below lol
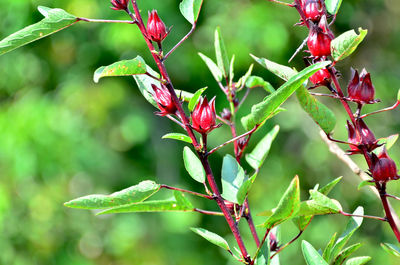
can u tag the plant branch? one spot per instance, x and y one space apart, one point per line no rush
261 244
232 140
162 186
287 244
388 211
105 20
364 216
282 3
393 197
163 71
250 222
180 42
208 212
382 110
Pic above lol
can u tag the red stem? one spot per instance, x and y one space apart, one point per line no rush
389 217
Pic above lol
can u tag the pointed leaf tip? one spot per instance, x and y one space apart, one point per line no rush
211 237
190 9
132 67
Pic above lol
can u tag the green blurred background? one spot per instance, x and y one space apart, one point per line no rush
62 136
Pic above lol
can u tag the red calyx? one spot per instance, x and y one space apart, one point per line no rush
156 30
319 43
164 100
360 88
313 9
321 78
367 137
384 168
204 116
354 139
119 4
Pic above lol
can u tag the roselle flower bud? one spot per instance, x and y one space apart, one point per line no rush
273 242
226 114
313 9
164 100
119 4
384 168
354 139
319 43
367 137
321 78
156 30
360 88
204 116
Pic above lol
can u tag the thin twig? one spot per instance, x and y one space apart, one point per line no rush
243 99
382 110
180 42
208 212
287 244
298 49
155 78
393 197
187 191
232 140
365 216
176 121
282 3
105 20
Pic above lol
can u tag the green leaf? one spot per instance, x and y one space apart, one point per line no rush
398 95
263 256
256 81
365 183
386 142
358 260
328 248
353 224
287 207
391 249
347 43
282 71
343 255
243 80
190 9
328 187
211 237
332 6
144 83
264 110
178 136
215 71
196 97
244 189
233 177
135 66
323 202
55 20
257 157
179 204
320 113
311 256
193 165
134 194
221 54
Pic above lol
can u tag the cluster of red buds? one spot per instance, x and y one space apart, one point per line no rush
156 30
204 116
360 89
120 4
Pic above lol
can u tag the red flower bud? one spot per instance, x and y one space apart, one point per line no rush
163 100
321 78
367 137
319 43
360 88
273 242
226 114
354 139
156 30
313 9
204 116
384 168
119 4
